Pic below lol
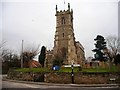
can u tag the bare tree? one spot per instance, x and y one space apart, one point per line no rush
113 44
2 50
113 47
29 52
2 44
5 54
9 59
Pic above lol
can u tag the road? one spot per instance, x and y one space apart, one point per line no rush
7 85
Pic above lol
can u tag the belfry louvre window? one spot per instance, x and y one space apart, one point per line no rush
63 20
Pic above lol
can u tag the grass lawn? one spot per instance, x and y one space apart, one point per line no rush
68 69
112 69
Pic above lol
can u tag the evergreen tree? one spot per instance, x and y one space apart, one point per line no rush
42 56
100 46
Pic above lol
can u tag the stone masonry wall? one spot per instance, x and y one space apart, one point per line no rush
83 78
58 78
65 78
26 76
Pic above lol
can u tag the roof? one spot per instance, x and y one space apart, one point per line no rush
34 64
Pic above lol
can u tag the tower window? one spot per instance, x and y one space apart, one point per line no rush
63 20
63 34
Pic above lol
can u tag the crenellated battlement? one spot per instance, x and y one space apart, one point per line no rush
68 11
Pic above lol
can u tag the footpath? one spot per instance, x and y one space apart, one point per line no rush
54 84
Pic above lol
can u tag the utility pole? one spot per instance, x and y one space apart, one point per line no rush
22 55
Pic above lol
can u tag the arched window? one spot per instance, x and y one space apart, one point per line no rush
63 20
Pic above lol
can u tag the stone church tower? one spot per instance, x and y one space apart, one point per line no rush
64 41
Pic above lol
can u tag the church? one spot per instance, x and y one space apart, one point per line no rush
65 45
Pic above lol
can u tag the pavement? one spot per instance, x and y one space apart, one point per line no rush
54 84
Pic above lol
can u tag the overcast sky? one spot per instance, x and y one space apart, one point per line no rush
34 21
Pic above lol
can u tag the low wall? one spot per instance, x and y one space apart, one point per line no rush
57 77
83 78
26 76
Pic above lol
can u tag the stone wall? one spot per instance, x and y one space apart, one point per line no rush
65 78
58 77
27 76
97 78
83 78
